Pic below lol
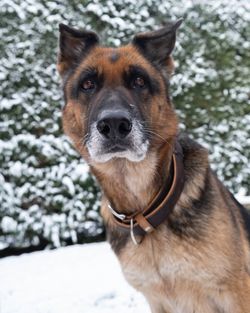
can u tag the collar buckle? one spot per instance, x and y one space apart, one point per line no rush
121 217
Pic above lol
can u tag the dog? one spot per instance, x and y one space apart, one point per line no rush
180 236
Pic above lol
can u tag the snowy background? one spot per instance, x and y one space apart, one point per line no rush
47 197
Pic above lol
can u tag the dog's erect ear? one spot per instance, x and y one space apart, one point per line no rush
158 45
73 45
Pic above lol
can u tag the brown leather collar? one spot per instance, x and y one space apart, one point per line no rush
162 204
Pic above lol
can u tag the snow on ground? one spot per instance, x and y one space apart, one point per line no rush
77 279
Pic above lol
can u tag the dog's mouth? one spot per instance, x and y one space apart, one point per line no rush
115 148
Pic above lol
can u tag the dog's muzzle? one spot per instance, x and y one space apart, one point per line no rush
115 134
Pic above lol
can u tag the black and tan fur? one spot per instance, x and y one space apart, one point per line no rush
197 261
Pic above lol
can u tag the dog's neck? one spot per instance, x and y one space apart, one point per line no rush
130 186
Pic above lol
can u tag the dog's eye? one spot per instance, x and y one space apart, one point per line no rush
88 85
139 82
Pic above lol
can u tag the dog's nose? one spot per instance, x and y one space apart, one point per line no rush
114 124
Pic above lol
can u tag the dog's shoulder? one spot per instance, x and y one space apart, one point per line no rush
196 160
195 157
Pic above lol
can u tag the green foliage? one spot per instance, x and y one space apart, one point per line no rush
46 192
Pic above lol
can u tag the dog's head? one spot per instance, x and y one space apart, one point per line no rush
117 100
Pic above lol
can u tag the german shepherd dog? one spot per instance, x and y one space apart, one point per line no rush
180 236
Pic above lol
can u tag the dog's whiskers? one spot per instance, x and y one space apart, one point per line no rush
157 135
85 137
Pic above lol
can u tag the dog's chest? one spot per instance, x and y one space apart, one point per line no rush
173 274
157 259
